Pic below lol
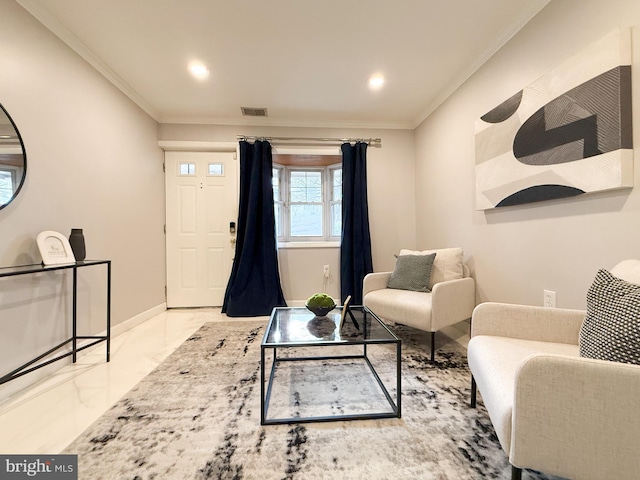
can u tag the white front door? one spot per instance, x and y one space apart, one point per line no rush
202 199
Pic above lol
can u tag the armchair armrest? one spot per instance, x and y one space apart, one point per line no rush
375 281
586 412
527 322
452 301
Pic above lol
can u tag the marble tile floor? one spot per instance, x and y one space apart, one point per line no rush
47 416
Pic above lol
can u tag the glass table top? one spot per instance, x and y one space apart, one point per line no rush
297 326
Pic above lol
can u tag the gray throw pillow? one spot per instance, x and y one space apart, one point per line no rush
611 328
412 272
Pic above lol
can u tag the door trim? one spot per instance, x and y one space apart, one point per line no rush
194 146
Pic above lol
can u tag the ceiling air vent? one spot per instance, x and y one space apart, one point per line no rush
253 112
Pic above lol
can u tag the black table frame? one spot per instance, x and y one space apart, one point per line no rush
265 395
33 364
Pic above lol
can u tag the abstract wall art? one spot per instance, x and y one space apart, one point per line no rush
566 134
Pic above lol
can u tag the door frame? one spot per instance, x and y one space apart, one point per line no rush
194 146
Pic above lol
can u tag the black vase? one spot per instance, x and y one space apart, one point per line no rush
76 240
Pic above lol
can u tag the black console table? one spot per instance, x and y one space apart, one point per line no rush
39 268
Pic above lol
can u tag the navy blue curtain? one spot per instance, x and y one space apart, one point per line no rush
355 247
254 286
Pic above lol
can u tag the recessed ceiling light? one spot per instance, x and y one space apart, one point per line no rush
199 70
375 81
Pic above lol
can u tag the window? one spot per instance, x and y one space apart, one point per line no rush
187 169
216 169
8 182
308 203
336 201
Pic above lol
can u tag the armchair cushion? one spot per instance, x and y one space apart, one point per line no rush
412 272
446 266
611 329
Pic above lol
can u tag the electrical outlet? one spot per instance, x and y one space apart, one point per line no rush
327 271
549 300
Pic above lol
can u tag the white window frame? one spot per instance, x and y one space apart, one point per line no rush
332 200
13 180
284 173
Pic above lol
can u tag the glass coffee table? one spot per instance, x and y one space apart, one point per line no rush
319 372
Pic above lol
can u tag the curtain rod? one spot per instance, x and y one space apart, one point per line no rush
372 142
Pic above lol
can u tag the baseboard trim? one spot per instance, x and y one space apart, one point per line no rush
127 325
136 320
11 389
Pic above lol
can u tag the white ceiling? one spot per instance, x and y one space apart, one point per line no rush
306 61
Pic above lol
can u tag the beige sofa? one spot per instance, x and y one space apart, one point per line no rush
552 410
451 299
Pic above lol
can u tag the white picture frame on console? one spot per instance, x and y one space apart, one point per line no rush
54 248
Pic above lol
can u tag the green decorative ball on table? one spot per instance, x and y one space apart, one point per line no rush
320 304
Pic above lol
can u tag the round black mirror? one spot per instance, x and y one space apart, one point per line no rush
13 159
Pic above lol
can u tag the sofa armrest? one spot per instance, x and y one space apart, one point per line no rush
375 281
576 417
527 322
452 301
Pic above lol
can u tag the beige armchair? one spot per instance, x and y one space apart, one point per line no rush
553 410
451 298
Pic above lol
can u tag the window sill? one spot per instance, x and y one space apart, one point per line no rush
285 245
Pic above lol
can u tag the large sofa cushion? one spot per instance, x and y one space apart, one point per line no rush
446 266
412 272
611 328
494 362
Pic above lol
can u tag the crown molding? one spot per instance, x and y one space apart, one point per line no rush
51 23
267 122
526 16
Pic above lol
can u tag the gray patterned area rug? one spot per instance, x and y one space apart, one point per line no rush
197 416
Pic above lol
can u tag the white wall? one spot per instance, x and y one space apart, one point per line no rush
516 252
93 162
391 190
